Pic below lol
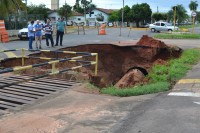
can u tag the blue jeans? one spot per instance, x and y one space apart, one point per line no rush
31 42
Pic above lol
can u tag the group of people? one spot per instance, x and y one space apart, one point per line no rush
35 30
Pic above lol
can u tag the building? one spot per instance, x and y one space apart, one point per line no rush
54 4
76 17
99 15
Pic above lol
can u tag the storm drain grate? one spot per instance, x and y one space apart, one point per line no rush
14 97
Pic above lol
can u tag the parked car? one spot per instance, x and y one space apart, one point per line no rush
110 24
162 26
23 33
146 25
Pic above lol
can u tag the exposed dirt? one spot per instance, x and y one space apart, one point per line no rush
114 61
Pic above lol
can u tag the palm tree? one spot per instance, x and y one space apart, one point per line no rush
193 5
10 6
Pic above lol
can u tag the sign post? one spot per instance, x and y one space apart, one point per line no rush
193 18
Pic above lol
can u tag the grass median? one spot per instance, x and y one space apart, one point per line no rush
162 77
189 26
177 36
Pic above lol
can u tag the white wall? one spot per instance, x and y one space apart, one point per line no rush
54 15
96 12
77 18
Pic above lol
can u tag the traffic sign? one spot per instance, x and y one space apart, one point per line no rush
194 14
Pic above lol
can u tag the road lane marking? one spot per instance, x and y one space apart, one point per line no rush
187 81
197 103
10 54
184 94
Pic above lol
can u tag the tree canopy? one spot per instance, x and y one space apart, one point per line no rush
160 16
114 16
40 10
193 5
181 13
65 11
11 6
83 6
140 12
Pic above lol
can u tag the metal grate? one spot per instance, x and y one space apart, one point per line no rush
14 97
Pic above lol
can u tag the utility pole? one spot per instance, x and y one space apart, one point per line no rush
174 17
123 15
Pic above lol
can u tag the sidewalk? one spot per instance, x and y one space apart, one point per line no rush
189 85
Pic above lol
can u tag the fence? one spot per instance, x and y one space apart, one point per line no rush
53 61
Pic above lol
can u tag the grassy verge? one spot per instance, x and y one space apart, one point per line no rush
189 26
162 77
177 36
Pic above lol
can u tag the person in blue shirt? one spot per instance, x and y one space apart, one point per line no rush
31 34
38 34
60 26
48 33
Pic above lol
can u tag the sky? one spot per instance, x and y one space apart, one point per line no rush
161 5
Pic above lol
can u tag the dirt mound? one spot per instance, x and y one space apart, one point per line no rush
150 42
130 79
114 61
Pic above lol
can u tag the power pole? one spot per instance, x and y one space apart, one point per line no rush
157 9
123 15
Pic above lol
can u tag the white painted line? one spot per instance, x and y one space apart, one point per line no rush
184 94
197 103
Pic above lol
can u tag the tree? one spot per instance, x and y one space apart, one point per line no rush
170 15
140 12
127 14
84 7
114 16
159 16
193 5
181 13
11 6
37 12
65 11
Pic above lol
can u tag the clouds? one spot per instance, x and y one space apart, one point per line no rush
163 5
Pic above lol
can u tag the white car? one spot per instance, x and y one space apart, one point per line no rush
162 26
23 33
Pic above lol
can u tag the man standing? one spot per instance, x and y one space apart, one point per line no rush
48 33
38 34
60 26
30 34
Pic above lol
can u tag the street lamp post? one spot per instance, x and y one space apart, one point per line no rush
123 15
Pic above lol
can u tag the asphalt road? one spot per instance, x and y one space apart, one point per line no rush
163 114
91 37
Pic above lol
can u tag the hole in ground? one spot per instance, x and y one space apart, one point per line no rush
114 61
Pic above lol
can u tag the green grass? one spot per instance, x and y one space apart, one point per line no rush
177 36
162 77
189 26
139 90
